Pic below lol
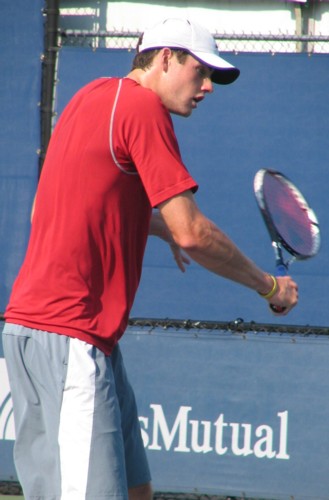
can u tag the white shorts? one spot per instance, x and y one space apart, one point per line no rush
77 430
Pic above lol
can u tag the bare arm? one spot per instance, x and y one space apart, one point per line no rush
207 245
159 228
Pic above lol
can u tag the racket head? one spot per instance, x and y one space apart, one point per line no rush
289 219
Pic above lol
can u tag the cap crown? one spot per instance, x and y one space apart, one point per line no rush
179 33
195 39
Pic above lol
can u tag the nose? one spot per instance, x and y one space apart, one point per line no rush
207 85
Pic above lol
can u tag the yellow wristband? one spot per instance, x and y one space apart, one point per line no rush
273 290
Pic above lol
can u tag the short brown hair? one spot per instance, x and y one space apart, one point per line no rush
143 60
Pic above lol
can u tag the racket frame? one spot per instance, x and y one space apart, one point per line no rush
278 243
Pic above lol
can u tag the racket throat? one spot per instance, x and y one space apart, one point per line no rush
281 266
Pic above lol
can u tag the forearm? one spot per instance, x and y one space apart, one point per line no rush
216 252
206 244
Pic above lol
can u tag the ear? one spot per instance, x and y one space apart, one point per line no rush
166 55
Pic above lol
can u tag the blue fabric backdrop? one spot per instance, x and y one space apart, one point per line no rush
21 34
275 115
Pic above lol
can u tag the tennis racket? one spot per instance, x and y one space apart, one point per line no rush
291 223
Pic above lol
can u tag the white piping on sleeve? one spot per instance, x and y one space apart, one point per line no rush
111 132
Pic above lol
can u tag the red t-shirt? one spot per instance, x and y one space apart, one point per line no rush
112 157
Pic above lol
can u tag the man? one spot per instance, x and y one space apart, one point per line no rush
112 159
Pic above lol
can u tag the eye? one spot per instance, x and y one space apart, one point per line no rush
205 71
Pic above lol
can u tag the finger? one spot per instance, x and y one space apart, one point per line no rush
180 265
178 258
185 259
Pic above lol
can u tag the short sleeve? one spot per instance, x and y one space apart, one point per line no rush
144 133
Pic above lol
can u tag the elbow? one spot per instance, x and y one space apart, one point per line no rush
196 239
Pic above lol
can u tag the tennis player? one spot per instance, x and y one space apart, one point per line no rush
112 175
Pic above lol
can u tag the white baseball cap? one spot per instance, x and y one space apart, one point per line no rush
190 36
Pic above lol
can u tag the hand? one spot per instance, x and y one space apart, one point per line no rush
159 228
180 258
286 296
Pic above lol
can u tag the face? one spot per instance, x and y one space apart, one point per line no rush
184 85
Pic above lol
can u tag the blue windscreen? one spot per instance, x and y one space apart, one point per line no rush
220 412
274 116
21 32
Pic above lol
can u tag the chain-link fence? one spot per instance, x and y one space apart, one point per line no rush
290 30
227 42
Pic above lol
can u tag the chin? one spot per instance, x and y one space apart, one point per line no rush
183 113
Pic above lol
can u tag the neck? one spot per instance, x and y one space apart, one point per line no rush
136 75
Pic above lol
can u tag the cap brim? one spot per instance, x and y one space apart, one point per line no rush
225 76
224 73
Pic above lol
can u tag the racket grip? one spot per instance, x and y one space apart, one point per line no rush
280 270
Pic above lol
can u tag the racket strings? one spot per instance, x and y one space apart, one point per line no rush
293 220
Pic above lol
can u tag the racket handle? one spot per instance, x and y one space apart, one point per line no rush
280 270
